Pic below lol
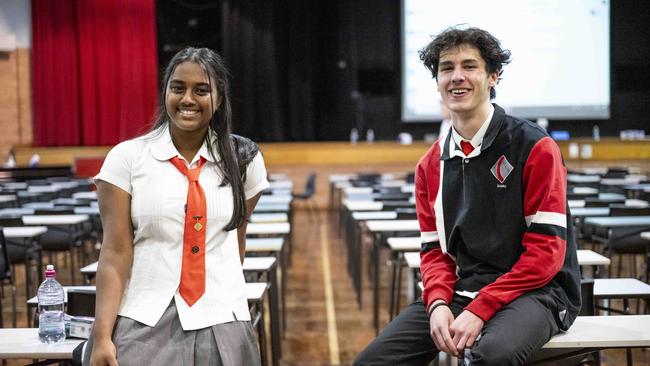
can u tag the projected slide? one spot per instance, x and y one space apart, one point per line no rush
559 67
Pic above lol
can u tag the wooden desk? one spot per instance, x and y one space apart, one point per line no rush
351 227
73 224
255 294
378 229
266 266
401 247
276 228
30 239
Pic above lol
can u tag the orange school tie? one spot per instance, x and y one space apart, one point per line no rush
192 284
466 147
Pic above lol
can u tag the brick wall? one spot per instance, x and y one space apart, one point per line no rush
15 100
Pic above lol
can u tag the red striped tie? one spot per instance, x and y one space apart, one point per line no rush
192 284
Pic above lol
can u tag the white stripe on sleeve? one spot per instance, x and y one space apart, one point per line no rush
549 218
428 236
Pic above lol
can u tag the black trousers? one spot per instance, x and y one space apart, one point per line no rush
509 338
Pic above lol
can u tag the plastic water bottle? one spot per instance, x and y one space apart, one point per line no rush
370 136
34 160
596 133
354 136
51 327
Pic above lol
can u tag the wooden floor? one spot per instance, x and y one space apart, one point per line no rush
324 324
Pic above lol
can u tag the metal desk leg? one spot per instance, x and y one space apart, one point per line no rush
261 331
283 292
398 298
628 351
393 285
276 347
358 271
375 294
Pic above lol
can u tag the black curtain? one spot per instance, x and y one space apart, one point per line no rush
280 54
294 63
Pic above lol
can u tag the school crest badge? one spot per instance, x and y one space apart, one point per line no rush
502 169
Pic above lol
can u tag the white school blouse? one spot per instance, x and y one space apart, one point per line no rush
158 192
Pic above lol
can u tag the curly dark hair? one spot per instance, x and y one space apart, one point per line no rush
488 46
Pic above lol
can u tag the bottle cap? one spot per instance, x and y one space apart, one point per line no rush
49 271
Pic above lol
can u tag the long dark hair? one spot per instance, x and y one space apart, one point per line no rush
229 164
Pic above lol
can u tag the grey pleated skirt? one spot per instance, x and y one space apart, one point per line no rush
227 344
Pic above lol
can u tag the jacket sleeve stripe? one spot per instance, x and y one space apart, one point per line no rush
551 230
428 236
439 213
429 246
551 218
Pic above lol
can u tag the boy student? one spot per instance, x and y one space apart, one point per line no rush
503 277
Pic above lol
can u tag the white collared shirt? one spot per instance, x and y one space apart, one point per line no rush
476 141
158 192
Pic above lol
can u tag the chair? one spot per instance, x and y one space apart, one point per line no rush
6 277
627 241
406 213
62 238
20 253
587 297
308 194
81 302
410 178
368 177
595 202
387 197
57 210
614 172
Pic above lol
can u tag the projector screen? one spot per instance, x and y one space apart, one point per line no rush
560 63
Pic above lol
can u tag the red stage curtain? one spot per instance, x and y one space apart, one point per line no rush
95 70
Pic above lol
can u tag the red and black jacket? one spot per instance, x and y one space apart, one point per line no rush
502 221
